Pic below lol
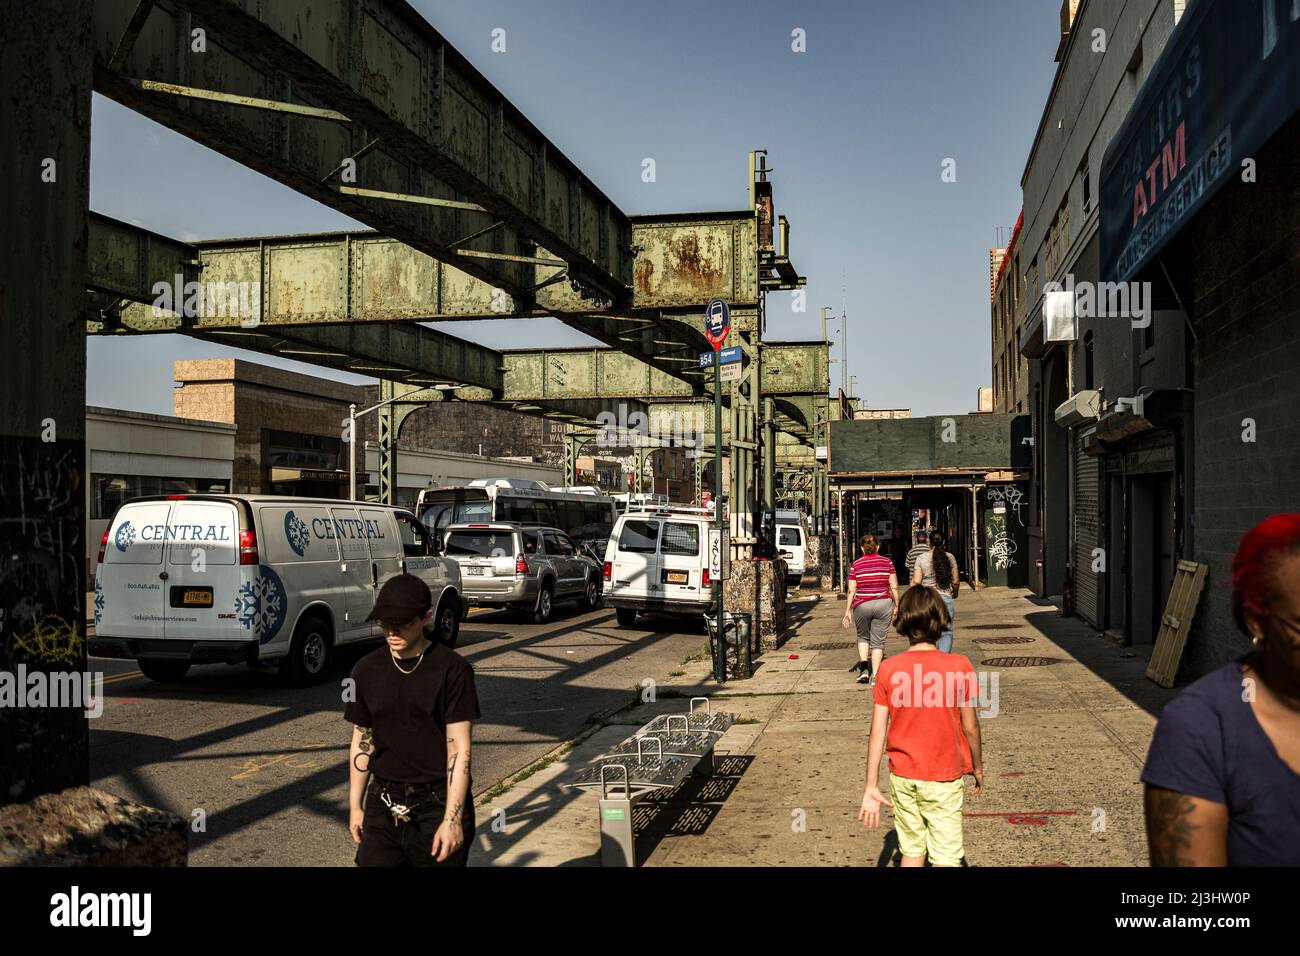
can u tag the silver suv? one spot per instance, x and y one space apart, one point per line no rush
522 567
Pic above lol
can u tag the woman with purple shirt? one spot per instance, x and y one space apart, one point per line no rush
1223 772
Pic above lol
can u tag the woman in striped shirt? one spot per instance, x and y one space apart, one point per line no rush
873 603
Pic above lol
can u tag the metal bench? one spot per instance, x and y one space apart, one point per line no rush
656 758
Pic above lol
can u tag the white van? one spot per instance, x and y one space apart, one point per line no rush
792 544
658 560
196 579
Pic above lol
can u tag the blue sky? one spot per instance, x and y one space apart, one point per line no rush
856 128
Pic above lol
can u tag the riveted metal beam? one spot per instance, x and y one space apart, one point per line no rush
444 131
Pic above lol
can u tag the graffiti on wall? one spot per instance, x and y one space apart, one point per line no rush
1001 546
1012 496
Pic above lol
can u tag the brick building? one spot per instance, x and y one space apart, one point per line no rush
1010 369
474 428
289 433
288 426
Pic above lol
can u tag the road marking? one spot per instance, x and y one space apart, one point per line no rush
252 766
545 710
116 678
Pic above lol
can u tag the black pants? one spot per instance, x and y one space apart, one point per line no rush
387 842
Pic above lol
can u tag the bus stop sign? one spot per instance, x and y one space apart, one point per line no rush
717 323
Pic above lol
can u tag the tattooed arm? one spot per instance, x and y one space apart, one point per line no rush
363 745
450 835
1185 831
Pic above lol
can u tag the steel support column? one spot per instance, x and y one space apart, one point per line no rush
769 456
45 72
391 419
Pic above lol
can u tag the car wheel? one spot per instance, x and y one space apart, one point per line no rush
626 616
464 611
310 653
164 671
590 599
545 605
446 623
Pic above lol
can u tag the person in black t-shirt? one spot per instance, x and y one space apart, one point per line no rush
412 709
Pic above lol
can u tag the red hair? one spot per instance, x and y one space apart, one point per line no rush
1254 563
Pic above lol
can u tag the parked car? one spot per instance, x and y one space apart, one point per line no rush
657 560
792 544
196 579
522 567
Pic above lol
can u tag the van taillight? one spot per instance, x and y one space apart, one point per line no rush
609 570
704 578
103 546
521 566
247 547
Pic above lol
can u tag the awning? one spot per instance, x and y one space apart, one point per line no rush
1226 81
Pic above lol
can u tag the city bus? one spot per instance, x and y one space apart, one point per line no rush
583 516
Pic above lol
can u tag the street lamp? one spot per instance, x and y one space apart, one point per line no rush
351 420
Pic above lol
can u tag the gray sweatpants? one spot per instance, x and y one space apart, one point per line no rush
871 620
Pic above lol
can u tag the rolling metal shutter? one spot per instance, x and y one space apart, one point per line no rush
1087 483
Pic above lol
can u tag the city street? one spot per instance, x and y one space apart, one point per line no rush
267 763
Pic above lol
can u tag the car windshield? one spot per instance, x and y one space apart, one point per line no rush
480 543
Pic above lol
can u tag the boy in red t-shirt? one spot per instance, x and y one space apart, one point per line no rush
927 698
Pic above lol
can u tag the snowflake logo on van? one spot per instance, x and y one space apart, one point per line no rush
99 601
297 532
125 536
261 604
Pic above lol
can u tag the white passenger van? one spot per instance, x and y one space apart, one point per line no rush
792 544
658 560
196 579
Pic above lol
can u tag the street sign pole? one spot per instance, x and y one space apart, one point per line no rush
717 324
720 648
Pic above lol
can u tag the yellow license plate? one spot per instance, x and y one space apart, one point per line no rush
199 597
677 577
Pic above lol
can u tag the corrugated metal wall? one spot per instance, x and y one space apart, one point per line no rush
1087 485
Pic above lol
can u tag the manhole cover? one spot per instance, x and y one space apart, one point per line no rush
1021 661
830 646
991 627
1004 640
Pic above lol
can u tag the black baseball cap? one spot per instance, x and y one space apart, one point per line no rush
403 598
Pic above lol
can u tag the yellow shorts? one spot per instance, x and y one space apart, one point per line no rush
927 817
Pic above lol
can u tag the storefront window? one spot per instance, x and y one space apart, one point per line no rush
111 491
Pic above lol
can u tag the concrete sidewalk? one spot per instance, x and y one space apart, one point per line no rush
1062 755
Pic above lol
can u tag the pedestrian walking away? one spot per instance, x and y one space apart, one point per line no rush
919 547
412 708
933 740
937 568
1222 775
873 603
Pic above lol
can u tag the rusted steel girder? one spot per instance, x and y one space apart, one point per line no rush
438 154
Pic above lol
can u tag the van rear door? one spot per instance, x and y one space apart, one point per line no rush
682 561
636 564
790 544
203 578
130 587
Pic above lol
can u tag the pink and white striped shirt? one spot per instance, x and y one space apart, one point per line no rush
871 574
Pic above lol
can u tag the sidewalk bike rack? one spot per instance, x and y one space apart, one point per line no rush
657 758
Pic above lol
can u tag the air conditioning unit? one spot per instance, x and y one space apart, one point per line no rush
1082 407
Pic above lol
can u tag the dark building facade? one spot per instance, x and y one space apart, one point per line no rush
1163 415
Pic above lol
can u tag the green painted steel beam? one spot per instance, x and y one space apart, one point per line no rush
294 90
794 368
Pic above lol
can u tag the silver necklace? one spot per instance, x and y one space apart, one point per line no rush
418 661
